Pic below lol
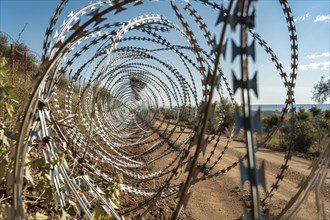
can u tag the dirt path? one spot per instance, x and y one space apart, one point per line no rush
219 197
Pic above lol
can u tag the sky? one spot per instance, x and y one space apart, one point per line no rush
312 20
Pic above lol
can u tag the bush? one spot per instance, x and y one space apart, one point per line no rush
222 109
7 98
327 114
169 114
304 136
270 121
302 115
315 111
229 115
7 95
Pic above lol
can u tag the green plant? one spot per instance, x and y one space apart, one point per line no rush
304 131
270 121
304 136
213 123
229 109
169 113
7 94
7 97
112 193
302 115
315 111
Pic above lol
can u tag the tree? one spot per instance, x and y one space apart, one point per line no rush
321 90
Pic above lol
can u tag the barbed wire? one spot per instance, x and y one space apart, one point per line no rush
121 79
28 51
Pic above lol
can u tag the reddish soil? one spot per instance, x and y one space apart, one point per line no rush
221 197
218 198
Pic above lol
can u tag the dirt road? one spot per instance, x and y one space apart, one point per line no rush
219 197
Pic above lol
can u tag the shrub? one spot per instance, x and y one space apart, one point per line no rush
270 121
304 132
304 136
7 97
315 111
302 115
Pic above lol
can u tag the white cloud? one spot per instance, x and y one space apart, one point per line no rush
322 18
315 66
311 56
301 17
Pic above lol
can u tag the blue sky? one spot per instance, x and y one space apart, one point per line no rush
312 24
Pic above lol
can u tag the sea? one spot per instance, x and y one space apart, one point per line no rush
278 107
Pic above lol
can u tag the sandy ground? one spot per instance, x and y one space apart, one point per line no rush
220 197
